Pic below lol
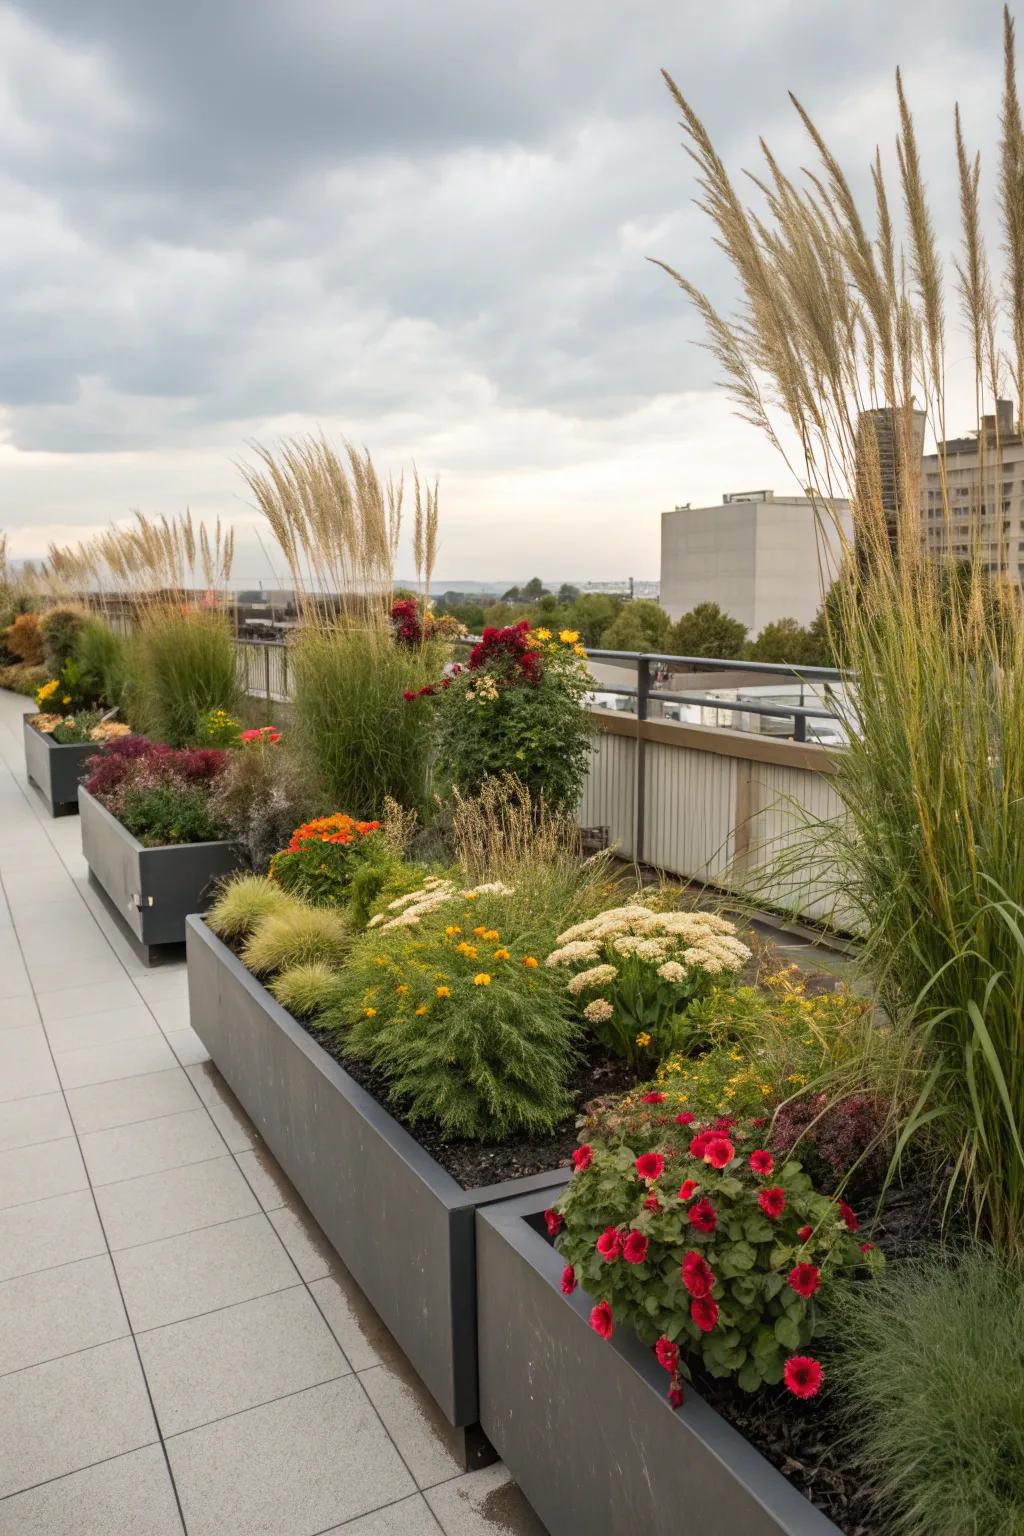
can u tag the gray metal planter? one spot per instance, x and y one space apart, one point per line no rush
153 890
54 769
399 1221
583 1423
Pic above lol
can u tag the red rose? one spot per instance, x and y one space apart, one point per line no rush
802 1376
702 1216
601 1320
554 1223
772 1201
609 1244
719 1152
867 1247
582 1158
667 1354
649 1166
687 1189
805 1234
568 1280
686 1118
697 1274
848 1217
675 1397
804 1279
634 1249
762 1161
704 1312
653 1098
652 1203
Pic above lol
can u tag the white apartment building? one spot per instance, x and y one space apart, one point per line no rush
759 556
989 526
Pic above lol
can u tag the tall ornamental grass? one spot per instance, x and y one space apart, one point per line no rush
182 665
840 336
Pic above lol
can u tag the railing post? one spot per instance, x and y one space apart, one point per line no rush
266 673
799 727
643 690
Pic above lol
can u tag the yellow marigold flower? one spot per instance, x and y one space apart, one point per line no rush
442 991
501 954
481 932
643 1038
481 979
452 930
371 1013
421 1010
469 950
542 634
569 636
402 990
492 934
579 650
471 895
765 1088
530 962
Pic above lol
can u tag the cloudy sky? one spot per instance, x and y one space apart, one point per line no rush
423 225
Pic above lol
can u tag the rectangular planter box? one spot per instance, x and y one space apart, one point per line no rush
583 1424
399 1221
152 889
55 770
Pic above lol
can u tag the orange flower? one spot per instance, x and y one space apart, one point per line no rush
530 962
443 991
501 954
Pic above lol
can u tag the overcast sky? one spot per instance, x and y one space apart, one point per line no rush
420 223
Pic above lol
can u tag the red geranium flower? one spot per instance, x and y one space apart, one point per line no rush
719 1152
772 1201
652 1203
686 1118
654 1098
582 1158
704 1312
804 1279
762 1161
723 1123
649 1166
760 1120
867 1247
848 1217
697 1275
601 1320
687 1189
675 1397
703 1217
699 1143
568 1280
554 1223
667 1354
802 1376
408 695
609 1244
634 1249
805 1233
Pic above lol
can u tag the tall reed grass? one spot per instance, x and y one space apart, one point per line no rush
840 340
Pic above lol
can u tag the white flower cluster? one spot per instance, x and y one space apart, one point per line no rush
598 1011
569 954
674 941
586 981
484 690
432 894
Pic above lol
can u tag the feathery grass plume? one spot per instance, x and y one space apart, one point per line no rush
296 935
306 990
244 901
844 340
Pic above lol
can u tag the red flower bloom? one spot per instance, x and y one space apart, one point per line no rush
652 1203
554 1223
699 1143
649 1165
719 1152
582 1158
867 1247
675 1397
804 1279
568 1280
408 695
697 1275
723 1123
634 1249
848 1217
687 1189
772 1201
609 1244
686 1118
653 1098
802 1376
762 1162
704 1312
601 1320
703 1217
805 1233
667 1355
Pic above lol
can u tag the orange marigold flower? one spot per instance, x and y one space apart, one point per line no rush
501 954
530 962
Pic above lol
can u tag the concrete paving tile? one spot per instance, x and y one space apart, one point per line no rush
58 1311
14 978
26 1068
125 1101
101 1028
132 1493
310 1250
356 1326
164 981
179 1277
148 1146
106 1063
483 1504
187 1046
271 1187
158 1205
25 1122
410 1517
67 1414
92 967
170 1011
414 1422
39 1171
237 1358
49 1232
18 1012
235 1127
69 1002
290 1468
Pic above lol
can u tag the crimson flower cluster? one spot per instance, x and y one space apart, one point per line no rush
508 648
128 759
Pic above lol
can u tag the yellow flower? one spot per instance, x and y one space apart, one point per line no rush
569 636
47 690
469 950
471 895
481 932
530 962
542 634
371 1013
765 1089
402 990
501 954
443 991
421 1010
643 1038
66 699
579 650
452 930
482 980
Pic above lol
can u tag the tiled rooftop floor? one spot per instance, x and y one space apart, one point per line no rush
180 1349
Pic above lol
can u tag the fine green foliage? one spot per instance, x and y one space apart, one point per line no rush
264 792
707 631
297 935
60 629
242 903
21 678
162 814
100 655
306 990
182 666
932 1366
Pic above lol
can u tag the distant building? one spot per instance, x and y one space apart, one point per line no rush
759 556
879 476
984 522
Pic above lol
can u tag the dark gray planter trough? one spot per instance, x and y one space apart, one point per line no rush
54 769
152 890
399 1221
583 1423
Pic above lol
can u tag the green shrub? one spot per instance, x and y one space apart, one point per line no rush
297 935
102 663
932 1367
162 814
182 666
323 855
242 903
60 629
307 990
